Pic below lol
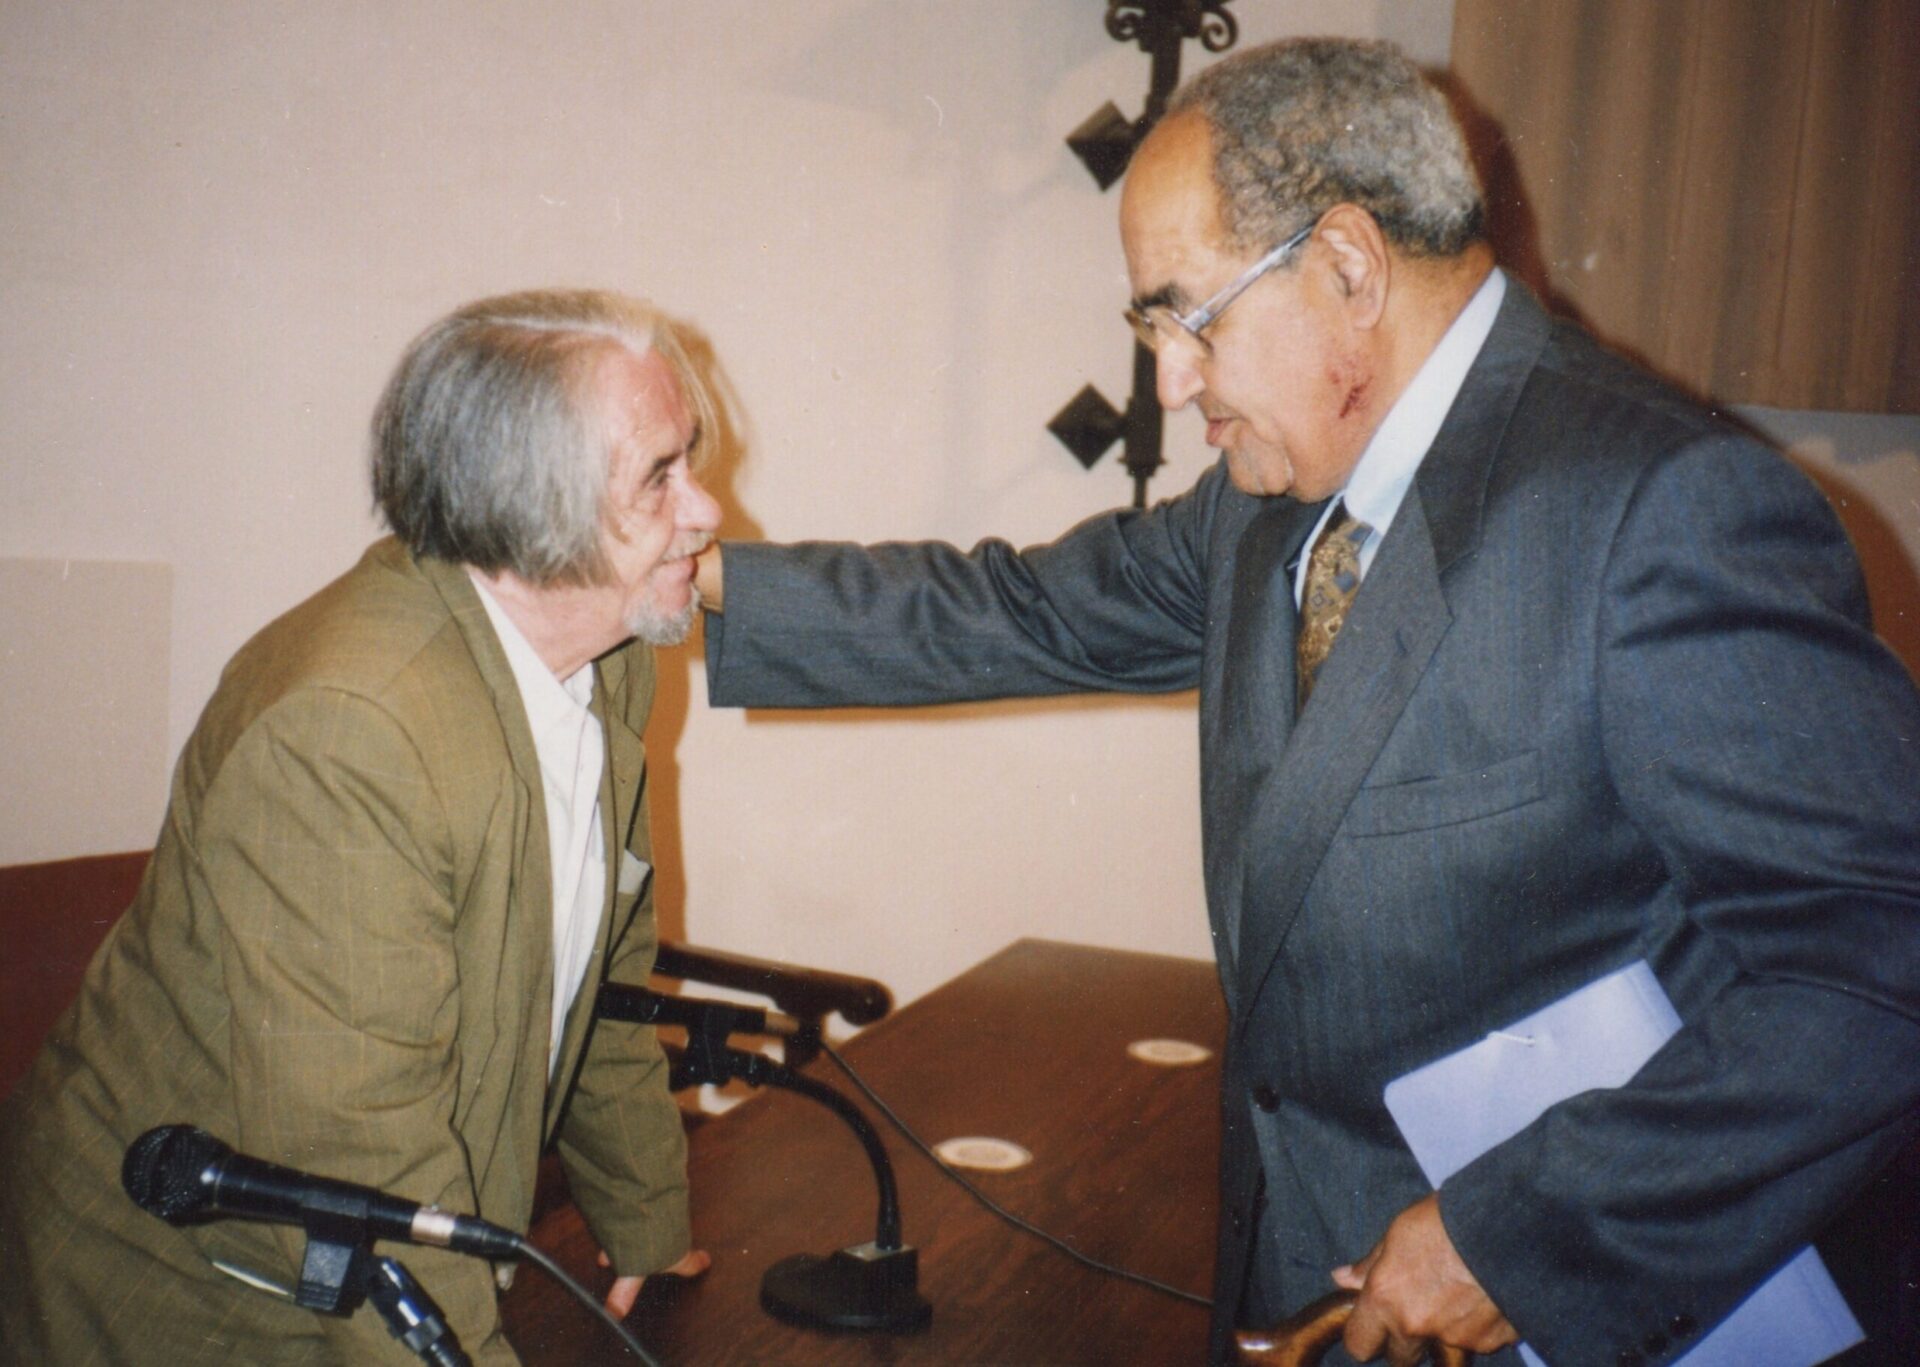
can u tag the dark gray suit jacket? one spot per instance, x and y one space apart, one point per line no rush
1608 692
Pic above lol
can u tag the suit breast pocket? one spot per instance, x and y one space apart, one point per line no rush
1447 799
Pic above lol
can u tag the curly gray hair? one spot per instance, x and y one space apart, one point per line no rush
489 448
1304 124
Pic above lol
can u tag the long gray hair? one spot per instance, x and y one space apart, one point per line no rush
1304 124
489 448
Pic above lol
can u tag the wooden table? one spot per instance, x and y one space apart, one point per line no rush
1030 1046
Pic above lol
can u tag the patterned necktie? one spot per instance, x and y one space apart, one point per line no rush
1333 577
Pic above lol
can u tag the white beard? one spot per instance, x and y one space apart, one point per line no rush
658 628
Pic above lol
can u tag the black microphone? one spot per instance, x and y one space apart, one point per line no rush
183 1175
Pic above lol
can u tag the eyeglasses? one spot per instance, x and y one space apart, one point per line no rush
1155 324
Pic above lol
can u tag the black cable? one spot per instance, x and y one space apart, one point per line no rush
586 1298
1023 1225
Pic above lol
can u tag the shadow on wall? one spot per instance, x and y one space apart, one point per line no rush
1893 585
673 696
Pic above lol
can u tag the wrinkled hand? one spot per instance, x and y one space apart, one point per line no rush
1414 1288
626 1290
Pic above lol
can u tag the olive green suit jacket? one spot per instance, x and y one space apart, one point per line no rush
341 960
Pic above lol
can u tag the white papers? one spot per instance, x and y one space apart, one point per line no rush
633 872
1453 1110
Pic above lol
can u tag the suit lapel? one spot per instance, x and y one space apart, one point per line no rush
1397 621
626 755
531 922
619 808
533 872
1247 733
1454 478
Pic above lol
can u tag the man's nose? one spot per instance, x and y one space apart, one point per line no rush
1176 375
697 511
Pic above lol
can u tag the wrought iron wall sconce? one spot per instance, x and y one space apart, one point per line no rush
1089 424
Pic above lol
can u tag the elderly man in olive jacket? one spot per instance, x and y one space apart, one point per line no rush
405 843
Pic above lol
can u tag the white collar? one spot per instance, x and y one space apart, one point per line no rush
550 702
1380 480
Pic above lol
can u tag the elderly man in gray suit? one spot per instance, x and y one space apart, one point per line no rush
1515 667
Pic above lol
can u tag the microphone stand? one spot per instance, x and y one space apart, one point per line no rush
871 1286
411 1315
340 1273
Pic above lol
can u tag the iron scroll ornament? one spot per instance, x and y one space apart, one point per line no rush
1206 20
1104 142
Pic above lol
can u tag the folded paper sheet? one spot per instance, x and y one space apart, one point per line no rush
1453 1110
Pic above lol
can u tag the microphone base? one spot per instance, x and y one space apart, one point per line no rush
864 1288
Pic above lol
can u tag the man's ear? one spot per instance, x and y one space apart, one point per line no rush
1362 265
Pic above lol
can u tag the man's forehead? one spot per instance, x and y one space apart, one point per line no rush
1170 225
643 392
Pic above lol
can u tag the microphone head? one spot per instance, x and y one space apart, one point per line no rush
163 1171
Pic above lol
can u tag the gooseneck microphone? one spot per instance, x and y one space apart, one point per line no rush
184 1175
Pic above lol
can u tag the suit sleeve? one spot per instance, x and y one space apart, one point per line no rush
621 1139
1769 748
1119 603
325 851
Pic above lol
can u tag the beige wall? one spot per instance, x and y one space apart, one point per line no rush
223 220
83 731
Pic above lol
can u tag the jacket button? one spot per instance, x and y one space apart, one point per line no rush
1266 1098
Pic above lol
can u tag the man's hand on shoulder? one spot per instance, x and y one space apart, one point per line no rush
1414 1288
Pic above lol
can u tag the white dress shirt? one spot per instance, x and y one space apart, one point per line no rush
1385 472
573 755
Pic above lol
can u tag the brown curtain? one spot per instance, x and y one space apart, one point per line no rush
1729 189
